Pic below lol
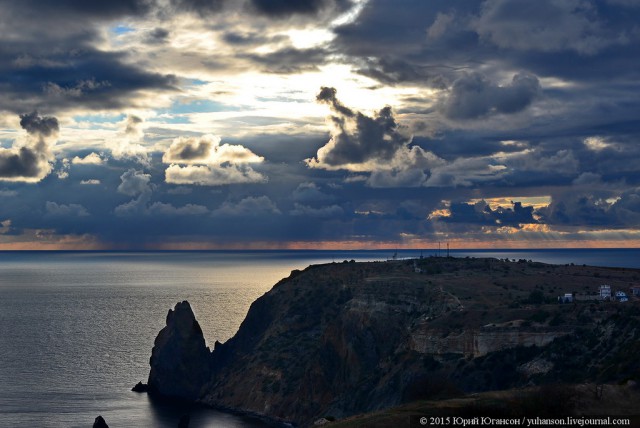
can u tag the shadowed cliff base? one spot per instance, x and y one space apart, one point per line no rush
341 339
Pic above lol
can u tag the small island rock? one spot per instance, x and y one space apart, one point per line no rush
100 423
140 387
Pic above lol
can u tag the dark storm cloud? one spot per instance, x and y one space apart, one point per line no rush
68 79
608 208
31 161
202 7
473 96
102 10
545 25
375 137
286 8
188 149
481 213
24 163
39 126
394 70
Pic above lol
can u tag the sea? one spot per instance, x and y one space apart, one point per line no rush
77 328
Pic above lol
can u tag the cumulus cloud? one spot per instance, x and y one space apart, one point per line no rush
138 184
594 209
63 171
363 143
481 212
90 159
579 209
135 183
473 96
252 206
165 209
127 144
207 150
209 163
61 210
30 160
210 175
310 192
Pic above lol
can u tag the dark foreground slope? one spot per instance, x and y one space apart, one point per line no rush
341 339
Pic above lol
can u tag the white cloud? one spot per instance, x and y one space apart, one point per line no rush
134 183
127 144
209 175
207 150
90 182
90 159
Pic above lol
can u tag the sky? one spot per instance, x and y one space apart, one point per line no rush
329 124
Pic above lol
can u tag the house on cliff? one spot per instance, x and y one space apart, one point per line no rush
605 292
635 290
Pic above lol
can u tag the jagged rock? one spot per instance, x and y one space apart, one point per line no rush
180 360
100 423
140 387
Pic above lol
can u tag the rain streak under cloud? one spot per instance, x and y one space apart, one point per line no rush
319 124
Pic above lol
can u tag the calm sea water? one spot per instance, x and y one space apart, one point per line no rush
77 328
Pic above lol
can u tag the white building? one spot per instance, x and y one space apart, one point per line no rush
567 298
605 292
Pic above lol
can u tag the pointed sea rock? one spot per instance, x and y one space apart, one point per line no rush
180 360
100 423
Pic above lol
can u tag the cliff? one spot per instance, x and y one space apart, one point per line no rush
340 339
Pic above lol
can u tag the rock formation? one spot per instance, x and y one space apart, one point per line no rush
180 360
100 423
140 387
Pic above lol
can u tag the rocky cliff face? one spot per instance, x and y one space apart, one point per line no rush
482 341
340 339
180 360
324 343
